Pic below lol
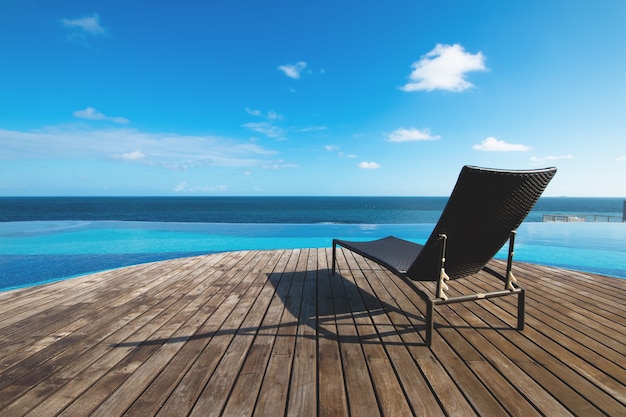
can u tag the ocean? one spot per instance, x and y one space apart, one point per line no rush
288 210
44 239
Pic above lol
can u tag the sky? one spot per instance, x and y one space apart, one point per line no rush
308 98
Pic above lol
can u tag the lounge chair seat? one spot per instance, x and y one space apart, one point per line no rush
483 212
390 252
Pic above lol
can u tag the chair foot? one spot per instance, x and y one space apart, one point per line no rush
521 309
429 322
334 256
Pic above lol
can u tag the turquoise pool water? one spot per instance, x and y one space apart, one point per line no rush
42 251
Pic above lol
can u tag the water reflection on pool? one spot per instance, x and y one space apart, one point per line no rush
41 251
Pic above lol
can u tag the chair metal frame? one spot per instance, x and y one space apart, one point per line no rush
484 210
441 298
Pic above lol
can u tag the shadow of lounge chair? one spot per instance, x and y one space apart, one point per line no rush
482 213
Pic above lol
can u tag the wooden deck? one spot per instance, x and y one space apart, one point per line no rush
272 333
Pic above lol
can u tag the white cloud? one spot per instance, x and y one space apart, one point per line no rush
341 154
181 187
369 165
184 187
492 144
444 68
312 129
537 159
84 26
621 158
271 115
89 113
168 150
133 156
120 120
254 112
410 135
279 164
293 71
267 129
92 114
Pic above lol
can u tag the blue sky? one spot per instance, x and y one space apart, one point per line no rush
308 97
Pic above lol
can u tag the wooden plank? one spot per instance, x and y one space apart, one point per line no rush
27 302
410 303
333 399
60 311
611 316
401 340
362 399
451 398
216 336
302 399
172 338
576 289
105 382
391 396
272 333
560 363
29 368
100 357
524 354
556 315
243 397
451 367
272 398
166 382
517 386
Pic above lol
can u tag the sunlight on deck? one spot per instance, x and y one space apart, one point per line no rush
273 333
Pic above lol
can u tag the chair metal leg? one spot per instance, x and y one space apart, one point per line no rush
429 322
334 256
521 309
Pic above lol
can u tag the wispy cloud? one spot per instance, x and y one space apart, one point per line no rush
293 70
411 135
135 155
340 153
621 158
267 127
184 187
84 27
270 115
312 129
369 165
542 159
444 68
92 114
271 127
254 112
168 150
492 144
278 165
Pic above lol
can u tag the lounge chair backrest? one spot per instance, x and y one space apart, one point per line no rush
485 206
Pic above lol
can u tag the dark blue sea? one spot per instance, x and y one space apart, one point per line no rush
49 238
294 210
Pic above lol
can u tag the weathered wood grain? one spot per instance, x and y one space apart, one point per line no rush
273 333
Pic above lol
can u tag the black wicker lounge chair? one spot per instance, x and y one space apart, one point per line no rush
482 213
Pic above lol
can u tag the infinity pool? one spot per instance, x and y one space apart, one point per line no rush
36 252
